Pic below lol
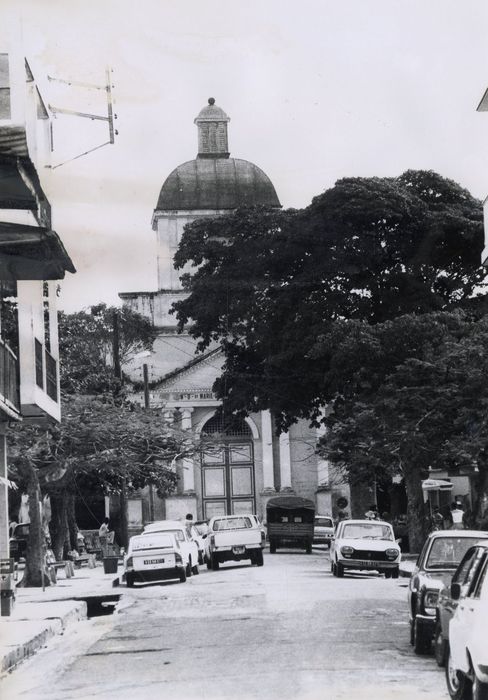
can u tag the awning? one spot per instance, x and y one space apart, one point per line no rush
32 253
436 485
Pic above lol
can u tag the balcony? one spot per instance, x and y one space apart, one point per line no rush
9 382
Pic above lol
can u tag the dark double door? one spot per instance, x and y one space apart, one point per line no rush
228 483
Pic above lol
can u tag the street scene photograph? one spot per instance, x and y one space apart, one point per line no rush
243 350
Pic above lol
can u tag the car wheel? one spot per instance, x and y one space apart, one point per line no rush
200 558
215 563
480 690
209 564
333 568
308 549
272 546
421 641
339 570
258 558
459 686
188 568
182 576
395 572
387 574
195 570
439 646
129 580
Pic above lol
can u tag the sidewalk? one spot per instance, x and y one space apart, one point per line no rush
39 615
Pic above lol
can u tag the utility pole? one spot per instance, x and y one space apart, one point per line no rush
147 406
116 345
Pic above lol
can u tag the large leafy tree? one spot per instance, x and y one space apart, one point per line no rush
104 443
408 395
266 283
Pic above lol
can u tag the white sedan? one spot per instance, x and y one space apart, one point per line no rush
189 548
467 661
153 557
364 545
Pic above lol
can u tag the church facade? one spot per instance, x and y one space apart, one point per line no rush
249 463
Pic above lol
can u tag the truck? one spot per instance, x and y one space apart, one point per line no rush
234 538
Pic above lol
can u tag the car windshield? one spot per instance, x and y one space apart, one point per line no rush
447 552
371 531
323 522
232 524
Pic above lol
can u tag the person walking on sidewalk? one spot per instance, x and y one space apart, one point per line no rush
105 536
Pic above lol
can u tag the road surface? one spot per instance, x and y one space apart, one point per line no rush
286 630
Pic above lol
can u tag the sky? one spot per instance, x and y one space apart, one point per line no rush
316 90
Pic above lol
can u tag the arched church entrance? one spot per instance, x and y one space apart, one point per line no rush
228 483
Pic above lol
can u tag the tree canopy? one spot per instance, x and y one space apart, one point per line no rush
406 396
86 346
266 283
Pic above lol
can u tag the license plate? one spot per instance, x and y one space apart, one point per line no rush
238 550
153 561
372 564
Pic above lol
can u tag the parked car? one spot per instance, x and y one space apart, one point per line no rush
234 538
467 657
18 541
464 575
200 541
437 562
364 545
188 547
323 530
154 556
262 527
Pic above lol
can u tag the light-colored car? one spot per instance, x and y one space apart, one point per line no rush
188 547
233 538
197 537
365 545
464 575
435 566
153 557
323 530
467 658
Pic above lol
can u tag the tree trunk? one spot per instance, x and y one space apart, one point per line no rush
418 526
124 525
59 524
71 517
481 504
34 558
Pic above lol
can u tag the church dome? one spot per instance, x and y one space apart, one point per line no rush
216 183
213 180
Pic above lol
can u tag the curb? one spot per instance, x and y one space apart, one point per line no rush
32 635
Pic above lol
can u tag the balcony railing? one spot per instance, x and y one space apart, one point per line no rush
9 377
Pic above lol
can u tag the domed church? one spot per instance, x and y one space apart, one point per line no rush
251 464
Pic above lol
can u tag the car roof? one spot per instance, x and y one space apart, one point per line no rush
482 534
165 525
366 521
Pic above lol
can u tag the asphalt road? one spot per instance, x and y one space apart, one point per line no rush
286 630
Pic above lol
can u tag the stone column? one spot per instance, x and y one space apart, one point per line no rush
187 462
285 463
267 441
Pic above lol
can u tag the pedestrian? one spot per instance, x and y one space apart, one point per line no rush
372 513
436 519
189 523
103 536
457 515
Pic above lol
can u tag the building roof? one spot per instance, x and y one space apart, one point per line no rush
216 183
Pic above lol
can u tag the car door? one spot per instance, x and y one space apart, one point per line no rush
462 622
